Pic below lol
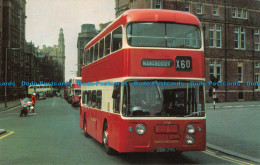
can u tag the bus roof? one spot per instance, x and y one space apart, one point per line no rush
146 15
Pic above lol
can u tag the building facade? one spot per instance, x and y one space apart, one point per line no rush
88 32
12 46
231 38
41 65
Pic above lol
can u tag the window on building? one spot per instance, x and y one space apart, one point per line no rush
199 9
234 13
82 57
211 35
239 13
244 14
257 64
257 79
187 7
240 38
131 4
158 4
215 36
243 38
81 44
218 36
240 72
240 95
215 69
256 31
257 46
215 10
117 39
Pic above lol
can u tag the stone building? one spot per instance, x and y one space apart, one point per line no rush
12 46
88 32
41 65
57 53
232 41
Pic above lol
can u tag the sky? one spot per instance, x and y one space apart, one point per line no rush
46 17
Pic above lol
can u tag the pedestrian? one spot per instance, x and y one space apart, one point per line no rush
33 101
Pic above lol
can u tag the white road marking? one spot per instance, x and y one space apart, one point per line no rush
5 118
53 102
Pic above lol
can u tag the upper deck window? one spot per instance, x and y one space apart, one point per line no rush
107 44
117 39
101 48
168 35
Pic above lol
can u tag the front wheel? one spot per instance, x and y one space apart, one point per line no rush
108 149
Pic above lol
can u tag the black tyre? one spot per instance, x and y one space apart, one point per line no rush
109 150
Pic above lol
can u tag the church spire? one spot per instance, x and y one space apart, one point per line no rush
61 44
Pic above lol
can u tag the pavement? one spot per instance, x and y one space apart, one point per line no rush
10 104
233 128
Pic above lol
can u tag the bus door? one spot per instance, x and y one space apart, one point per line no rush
114 123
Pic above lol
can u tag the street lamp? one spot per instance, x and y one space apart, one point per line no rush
6 71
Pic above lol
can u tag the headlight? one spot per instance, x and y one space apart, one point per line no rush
140 129
189 140
190 128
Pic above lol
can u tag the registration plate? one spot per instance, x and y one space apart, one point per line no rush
170 149
183 63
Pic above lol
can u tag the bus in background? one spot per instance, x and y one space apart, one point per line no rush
74 92
141 99
43 90
66 93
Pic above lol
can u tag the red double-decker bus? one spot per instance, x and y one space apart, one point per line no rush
74 93
138 92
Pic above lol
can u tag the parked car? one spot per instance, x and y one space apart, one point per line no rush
42 96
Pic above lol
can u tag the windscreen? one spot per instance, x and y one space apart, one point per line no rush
169 35
77 92
162 99
76 81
